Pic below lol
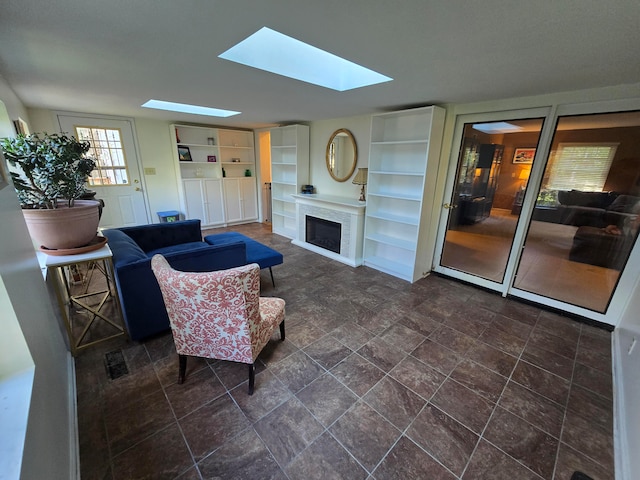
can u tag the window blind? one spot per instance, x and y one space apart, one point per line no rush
581 166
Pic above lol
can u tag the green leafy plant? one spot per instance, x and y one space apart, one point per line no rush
47 168
547 198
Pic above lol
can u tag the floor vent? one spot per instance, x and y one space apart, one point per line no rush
580 476
116 365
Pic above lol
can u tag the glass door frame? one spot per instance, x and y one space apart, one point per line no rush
631 274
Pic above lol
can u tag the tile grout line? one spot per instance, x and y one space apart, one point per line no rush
493 411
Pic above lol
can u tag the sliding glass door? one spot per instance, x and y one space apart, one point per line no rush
545 208
585 218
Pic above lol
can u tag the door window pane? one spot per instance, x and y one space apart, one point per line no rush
108 151
585 219
493 169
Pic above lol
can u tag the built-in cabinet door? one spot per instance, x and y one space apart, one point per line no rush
203 200
232 199
213 201
249 198
193 199
241 201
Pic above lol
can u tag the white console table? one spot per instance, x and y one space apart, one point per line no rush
348 212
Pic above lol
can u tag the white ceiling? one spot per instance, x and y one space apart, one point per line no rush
111 56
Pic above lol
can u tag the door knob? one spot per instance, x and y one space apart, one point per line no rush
448 206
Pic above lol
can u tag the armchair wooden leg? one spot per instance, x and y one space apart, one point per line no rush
252 377
272 280
282 330
182 368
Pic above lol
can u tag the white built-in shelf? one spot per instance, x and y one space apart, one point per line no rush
396 242
216 192
403 163
409 220
289 171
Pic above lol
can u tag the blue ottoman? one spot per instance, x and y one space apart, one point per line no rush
257 252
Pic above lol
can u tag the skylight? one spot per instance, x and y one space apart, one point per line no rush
497 127
186 108
278 53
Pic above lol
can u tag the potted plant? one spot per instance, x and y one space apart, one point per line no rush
49 173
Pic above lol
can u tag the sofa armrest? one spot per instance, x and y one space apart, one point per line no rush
124 249
616 218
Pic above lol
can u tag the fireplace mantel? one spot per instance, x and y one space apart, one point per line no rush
343 210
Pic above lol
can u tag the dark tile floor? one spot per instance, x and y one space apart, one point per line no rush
377 379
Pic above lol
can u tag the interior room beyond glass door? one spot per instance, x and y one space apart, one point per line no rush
494 164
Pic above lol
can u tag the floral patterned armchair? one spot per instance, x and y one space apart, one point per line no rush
218 314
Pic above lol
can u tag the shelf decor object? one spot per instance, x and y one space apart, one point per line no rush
184 155
403 165
361 179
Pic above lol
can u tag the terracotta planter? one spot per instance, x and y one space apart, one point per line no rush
64 227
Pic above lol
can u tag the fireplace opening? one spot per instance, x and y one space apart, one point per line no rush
323 233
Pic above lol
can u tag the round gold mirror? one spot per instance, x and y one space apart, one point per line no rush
341 155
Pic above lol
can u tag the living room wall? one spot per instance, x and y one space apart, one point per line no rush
319 135
510 181
155 151
49 446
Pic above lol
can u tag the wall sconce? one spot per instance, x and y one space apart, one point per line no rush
361 179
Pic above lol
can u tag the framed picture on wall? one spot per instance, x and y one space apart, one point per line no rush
184 154
524 155
22 128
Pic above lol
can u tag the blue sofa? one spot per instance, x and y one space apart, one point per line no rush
181 244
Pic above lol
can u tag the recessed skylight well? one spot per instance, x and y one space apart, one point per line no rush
497 127
186 108
278 53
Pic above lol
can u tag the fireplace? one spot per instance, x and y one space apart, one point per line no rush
323 233
331 226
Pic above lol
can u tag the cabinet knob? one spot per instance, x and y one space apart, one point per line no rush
138 189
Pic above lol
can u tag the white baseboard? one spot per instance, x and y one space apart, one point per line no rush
74 437
626 397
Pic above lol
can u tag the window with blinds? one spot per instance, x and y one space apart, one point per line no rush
581 166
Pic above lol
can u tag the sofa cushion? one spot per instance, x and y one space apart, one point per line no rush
256 252
183 247
586 199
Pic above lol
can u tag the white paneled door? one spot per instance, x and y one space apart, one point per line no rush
117 178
